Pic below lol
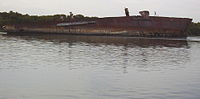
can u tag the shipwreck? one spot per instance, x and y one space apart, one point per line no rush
142 25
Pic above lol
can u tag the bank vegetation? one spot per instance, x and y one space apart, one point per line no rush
18 18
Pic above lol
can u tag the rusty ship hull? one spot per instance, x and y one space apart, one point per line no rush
130 26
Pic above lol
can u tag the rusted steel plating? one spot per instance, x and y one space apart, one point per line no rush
143 26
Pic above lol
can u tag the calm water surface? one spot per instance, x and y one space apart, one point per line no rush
73 67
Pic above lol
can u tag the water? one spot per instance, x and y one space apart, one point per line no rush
80 67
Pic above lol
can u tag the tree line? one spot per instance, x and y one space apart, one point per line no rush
18 18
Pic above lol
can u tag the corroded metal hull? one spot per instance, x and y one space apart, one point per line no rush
112 26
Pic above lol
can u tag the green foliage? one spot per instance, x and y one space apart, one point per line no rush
17 18
194 29
78 16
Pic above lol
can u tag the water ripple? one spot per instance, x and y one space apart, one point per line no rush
73 67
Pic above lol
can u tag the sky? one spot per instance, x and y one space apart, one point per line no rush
105 8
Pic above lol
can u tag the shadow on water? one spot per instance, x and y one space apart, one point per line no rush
107 40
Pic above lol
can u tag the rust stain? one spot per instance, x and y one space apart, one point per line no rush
144 25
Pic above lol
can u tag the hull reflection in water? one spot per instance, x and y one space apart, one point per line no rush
108 40
145 54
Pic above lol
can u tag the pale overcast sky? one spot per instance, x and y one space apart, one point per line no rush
101 8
